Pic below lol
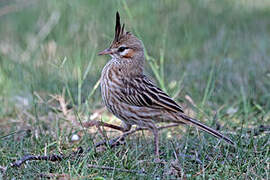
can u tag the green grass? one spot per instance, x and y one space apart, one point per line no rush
211 56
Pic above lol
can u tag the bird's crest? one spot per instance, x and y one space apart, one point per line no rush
119 30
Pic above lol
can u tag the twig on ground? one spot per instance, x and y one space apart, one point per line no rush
115 141
53 158
112 143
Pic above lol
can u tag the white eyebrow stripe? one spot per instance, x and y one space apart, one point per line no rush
125 52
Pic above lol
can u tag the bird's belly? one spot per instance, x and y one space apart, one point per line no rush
108 97
131 114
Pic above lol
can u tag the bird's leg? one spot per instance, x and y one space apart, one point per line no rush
128 132
104 124
156 140
113 142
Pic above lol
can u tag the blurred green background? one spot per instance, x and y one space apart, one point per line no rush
209 55
45 44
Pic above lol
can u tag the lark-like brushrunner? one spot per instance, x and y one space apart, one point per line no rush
131 96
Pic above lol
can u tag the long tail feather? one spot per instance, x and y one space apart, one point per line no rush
205 128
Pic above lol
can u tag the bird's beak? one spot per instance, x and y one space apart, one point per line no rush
106 51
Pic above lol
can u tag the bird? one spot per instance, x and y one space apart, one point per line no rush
132 96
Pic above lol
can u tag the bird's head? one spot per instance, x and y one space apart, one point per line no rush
125 45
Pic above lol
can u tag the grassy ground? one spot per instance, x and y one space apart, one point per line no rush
213 57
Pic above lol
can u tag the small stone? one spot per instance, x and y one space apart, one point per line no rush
75 137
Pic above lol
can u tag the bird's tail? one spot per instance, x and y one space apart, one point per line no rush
189 120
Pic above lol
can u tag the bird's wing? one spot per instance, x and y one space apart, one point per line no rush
141 91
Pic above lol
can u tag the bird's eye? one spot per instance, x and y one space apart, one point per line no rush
121 49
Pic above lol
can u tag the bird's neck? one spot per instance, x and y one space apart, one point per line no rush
131 66
135 65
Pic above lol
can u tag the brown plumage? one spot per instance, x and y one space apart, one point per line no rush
133 97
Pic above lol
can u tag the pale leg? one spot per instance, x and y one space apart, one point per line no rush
100 123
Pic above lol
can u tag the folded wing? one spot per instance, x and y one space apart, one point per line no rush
141 91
